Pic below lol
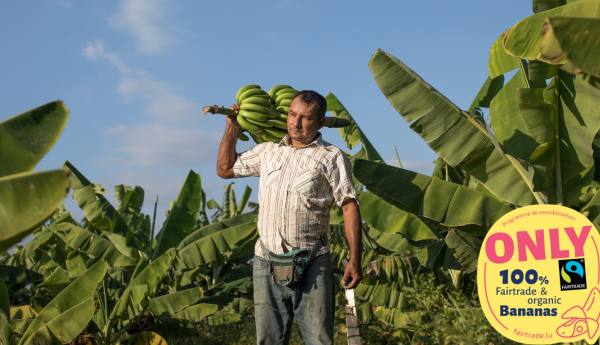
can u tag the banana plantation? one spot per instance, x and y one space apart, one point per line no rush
116 277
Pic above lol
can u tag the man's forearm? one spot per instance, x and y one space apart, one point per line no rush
353 225
227 154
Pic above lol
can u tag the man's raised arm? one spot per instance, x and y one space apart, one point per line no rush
227 154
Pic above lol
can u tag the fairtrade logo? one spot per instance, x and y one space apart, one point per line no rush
572 274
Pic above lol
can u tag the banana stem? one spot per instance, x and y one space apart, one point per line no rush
220 110
336 122
330 122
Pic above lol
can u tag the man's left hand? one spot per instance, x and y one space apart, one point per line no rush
354 271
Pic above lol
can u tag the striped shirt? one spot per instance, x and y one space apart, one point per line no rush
296 190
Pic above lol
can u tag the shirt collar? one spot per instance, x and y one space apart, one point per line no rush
318 141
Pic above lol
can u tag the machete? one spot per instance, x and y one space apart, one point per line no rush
351 319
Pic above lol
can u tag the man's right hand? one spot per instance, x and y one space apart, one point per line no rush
232 120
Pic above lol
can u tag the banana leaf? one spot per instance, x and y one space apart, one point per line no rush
57 281
212 228
4 300
22 312
7 335
78 291
500 62
196 313
445 203
93 245
147 280
545 5
27 137
129 205
27 200
130 200
465 248
20 325
524 39
396 317
143 338
214 246
182 218
243 201
509 126
101 214
167 305
63 328
76 265
573 39
224 316
438 255
486 94
352 134
18 275
385 218
565 129
457 136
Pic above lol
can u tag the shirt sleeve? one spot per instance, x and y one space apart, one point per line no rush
248 162
340 179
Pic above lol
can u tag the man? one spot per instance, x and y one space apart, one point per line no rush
300 178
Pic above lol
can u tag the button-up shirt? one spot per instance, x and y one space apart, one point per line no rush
296 191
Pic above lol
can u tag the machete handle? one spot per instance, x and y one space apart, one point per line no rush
345 263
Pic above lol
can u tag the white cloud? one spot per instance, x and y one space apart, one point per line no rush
144 19
422 167
95 51
160 146
163 101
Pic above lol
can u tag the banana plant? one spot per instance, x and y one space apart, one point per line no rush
28 199
229 207
458 137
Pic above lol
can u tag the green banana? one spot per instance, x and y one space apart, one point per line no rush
253 115
258 123
242 136
282 91
277 123
257 100
283 109
250 93
284 102
258 139
248 126
275 132
283 117
243 89
268 137
255 107
283 96
274 89
272 114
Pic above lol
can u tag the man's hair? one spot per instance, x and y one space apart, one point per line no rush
312 97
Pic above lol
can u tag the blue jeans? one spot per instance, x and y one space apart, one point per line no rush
311 301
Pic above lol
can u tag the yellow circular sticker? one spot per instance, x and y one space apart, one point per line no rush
538 276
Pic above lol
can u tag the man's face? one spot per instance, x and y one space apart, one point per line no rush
303 121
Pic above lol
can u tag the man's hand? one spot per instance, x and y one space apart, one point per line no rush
232 120
227 154
353 226
354 271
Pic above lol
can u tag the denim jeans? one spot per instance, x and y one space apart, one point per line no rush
311 301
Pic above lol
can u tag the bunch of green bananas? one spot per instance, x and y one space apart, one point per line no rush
257 116
281 98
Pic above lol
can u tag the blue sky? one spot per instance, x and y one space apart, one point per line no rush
135 74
